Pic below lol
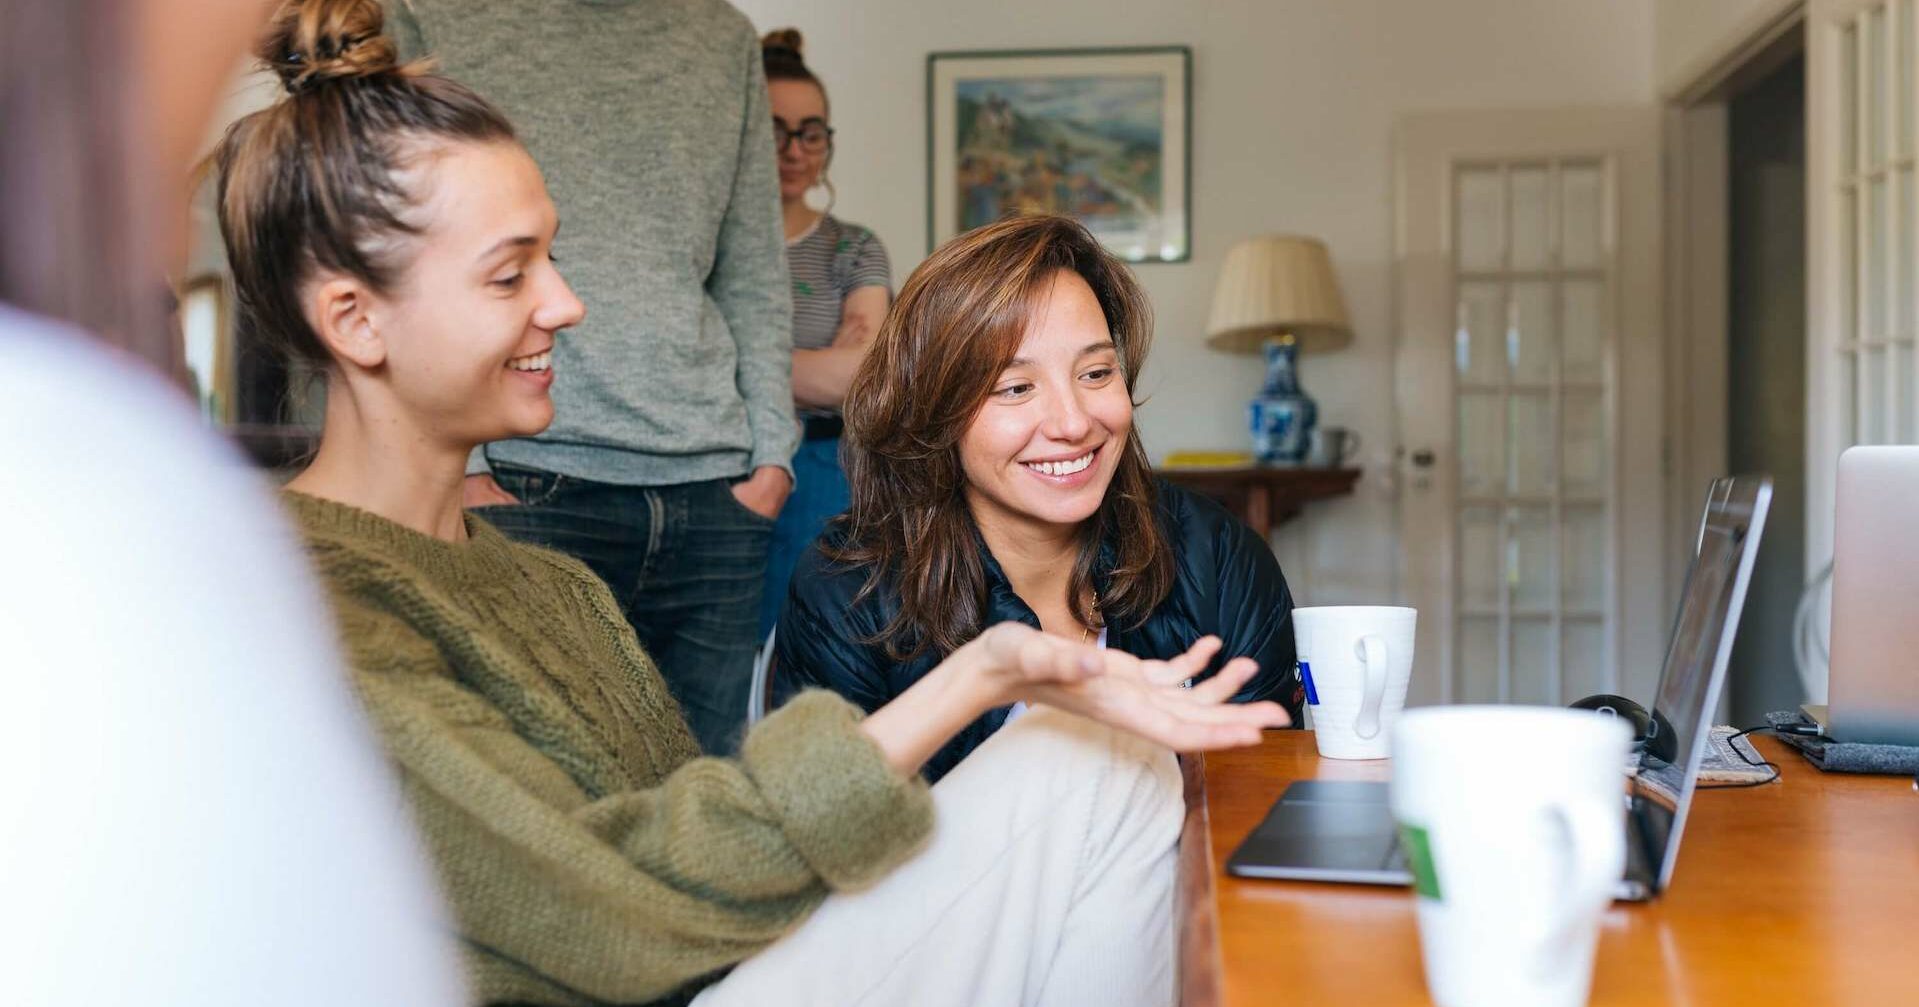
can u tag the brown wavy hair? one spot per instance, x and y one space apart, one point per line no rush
957 324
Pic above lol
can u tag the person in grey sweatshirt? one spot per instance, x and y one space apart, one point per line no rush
670 455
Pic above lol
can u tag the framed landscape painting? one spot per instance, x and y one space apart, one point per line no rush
1103 135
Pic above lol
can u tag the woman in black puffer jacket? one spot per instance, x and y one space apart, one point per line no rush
997 477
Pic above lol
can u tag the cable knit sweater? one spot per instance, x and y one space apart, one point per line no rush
589 853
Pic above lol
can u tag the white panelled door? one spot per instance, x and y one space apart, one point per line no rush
1529 371
1862 296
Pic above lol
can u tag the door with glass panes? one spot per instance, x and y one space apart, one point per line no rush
1862 281
1529 392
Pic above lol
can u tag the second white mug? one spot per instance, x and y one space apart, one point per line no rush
1512 819
1356 662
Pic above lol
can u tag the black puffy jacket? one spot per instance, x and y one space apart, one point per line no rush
1228 583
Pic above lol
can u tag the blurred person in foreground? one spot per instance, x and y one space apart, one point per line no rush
194 810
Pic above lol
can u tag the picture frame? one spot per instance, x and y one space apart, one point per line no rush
1102 135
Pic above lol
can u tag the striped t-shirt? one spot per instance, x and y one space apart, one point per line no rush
828 262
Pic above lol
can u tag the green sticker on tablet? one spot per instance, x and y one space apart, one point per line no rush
1419 858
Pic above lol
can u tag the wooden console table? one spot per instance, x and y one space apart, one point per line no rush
1264 498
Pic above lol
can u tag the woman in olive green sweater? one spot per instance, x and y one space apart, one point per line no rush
384 225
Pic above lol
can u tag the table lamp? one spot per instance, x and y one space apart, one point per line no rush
1277 296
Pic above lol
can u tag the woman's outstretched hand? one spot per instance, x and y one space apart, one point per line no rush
1145 697
1011 662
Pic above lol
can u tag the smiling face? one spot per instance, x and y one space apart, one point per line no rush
800 107
470 324
1042 451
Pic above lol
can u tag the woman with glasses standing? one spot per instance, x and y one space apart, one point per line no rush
841 288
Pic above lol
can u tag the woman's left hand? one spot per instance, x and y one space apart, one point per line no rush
1144 697
1011 662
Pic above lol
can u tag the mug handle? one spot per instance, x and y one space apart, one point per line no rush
1371 651
1594 835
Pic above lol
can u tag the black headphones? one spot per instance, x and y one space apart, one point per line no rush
1652 733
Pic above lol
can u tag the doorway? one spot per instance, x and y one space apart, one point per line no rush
1737 293
1765 369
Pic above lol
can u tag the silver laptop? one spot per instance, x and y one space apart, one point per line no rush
1343 831
1872 694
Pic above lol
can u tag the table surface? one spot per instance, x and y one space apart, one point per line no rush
1803 890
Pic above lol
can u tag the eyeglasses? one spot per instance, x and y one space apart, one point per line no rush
814 136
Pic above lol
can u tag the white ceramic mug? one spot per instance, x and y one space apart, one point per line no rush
1356 662
1512 819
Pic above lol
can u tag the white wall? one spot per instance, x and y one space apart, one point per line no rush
1693 35
1293 106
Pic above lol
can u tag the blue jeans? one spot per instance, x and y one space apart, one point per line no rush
685 563
819 492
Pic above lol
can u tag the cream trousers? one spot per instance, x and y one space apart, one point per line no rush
1048 880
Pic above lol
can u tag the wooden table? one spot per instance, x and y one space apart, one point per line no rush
1264 498
1802 891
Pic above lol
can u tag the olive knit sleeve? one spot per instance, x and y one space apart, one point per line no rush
630 895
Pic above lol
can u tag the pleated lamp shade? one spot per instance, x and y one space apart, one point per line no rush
1275 285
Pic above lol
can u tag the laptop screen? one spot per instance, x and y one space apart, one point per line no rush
1695 668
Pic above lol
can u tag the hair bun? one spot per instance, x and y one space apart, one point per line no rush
309 41
783 38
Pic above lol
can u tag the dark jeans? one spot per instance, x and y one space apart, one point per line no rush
819 492
686 564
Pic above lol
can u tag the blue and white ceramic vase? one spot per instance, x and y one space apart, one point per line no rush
1281 416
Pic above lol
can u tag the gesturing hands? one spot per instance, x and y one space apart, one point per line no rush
1144 697
1012 662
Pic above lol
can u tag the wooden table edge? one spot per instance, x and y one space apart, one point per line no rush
1851 879
1196 910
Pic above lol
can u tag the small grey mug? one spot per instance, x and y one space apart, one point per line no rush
1333 447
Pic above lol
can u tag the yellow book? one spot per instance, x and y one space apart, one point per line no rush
1208 460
